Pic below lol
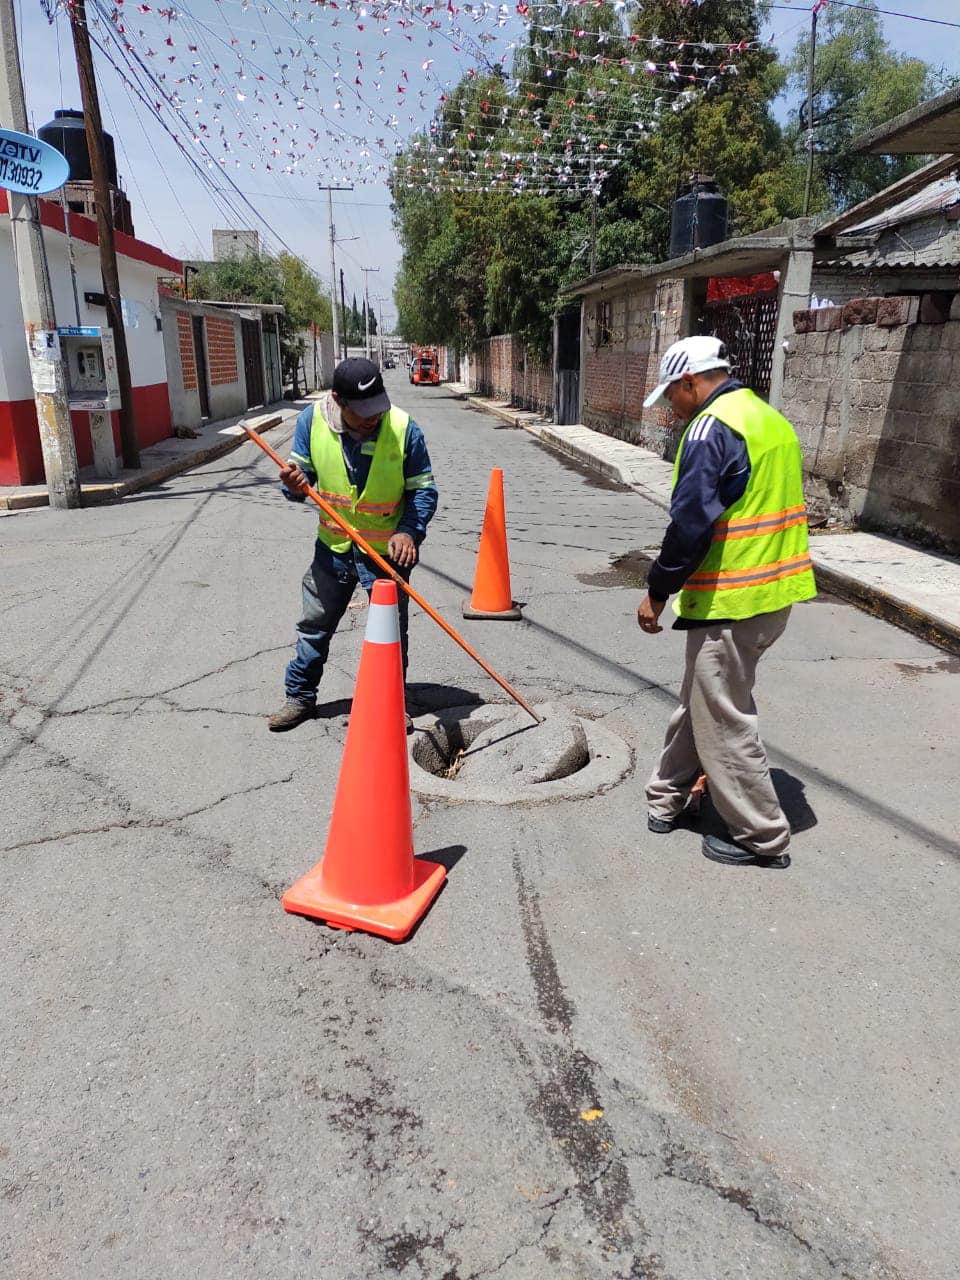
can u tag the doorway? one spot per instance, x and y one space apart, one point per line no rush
252 362
200 355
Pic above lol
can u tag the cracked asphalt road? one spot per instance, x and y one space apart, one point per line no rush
599 1056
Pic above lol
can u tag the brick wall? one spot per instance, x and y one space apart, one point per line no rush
872 391
502 368
221 351
626 333
188 359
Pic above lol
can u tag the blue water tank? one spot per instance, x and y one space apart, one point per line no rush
699 217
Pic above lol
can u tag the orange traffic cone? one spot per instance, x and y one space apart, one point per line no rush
368 877
491 584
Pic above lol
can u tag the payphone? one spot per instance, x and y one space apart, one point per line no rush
90 360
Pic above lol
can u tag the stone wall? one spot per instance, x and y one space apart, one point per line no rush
871 388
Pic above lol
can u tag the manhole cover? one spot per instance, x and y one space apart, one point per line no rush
494 754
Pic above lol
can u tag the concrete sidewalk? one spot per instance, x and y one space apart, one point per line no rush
163 460
912 588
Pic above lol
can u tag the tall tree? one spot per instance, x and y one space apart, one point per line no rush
859 82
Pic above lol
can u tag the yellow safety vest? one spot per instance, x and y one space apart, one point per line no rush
375 512
759 559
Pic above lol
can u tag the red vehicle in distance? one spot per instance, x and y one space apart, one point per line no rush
425 367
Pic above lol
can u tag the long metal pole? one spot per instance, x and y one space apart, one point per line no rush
390 572
36 296
811 68
108 250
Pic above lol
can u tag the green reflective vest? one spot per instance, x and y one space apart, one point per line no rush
375 512
759 559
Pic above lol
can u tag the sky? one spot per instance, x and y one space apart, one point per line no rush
325 90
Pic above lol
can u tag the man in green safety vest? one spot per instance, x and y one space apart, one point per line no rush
369 460
736 555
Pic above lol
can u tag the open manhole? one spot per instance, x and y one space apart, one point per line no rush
495 754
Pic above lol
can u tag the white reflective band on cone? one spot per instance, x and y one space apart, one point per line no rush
383 624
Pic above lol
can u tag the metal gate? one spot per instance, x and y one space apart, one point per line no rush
748 326
568 368
252 362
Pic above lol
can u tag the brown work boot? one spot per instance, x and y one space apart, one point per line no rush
290 715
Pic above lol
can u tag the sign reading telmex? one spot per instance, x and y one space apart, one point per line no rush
30 166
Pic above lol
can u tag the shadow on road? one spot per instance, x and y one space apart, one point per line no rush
870 805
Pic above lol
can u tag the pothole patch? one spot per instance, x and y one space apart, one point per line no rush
494 754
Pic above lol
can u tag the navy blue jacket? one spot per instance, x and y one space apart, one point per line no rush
714 470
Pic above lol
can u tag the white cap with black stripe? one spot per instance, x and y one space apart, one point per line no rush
690 355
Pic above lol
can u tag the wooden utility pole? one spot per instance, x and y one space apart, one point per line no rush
103 200
343 316
811 67
36 296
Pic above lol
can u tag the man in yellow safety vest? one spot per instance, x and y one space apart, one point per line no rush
369 460
736 553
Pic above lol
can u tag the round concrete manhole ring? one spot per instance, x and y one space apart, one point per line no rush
440 750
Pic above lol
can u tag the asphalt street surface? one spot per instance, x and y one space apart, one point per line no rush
600 1055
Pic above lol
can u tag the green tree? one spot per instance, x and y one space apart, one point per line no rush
859 82
587 147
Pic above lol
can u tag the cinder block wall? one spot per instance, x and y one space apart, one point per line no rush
871 389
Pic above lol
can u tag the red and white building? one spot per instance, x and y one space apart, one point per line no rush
141 266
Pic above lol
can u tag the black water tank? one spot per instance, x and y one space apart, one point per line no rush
699 217
66 132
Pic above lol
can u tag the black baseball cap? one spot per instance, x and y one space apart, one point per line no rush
359 384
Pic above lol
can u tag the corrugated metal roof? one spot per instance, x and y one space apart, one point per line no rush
867 260
936 197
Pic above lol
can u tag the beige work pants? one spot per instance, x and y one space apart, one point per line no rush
714 731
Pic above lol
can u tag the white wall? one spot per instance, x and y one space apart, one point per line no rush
138 288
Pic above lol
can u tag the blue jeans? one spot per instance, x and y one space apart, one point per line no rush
328 586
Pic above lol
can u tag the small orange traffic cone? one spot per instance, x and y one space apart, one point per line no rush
368 877
491 584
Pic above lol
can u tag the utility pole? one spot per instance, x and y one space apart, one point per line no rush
811 66
343 312
333 262
36 296
366 295
104 203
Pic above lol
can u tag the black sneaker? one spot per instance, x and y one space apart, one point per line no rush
734 854
661 826
290 715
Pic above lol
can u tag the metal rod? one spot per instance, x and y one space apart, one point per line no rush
388 569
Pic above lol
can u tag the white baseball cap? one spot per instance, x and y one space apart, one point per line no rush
690 355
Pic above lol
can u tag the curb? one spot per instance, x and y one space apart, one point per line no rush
96 492
870 599
888 607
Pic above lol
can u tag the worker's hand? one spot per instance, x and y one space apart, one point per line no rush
649 613
293 478
402 550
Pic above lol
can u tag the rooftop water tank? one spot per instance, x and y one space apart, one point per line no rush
699 217
67 132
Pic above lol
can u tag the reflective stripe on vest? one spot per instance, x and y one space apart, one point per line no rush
374 512
758 560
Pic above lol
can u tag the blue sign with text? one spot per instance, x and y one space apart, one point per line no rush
78 331
30 166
